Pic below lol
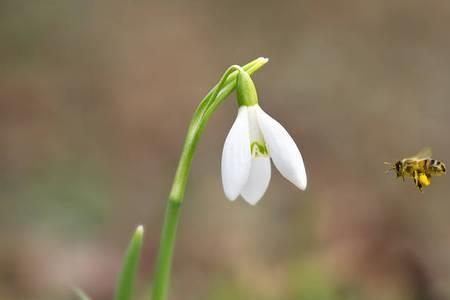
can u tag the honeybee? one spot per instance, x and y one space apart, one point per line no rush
420 167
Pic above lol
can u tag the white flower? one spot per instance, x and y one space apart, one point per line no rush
254 138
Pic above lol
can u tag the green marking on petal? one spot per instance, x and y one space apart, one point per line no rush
258 149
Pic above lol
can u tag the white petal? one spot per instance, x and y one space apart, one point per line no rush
236 156
258 180
283 150
253 125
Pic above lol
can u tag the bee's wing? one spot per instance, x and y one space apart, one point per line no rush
422 154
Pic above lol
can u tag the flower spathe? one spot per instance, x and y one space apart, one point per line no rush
253 140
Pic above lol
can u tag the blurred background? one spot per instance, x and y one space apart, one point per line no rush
95 102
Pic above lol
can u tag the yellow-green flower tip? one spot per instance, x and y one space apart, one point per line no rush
263 59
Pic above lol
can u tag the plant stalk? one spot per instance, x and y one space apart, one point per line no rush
201 116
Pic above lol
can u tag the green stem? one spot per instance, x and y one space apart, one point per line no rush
201 116
164 262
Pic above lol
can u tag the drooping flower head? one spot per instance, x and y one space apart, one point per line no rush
253 140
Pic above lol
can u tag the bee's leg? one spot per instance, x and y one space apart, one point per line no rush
420 187
416 178
417 181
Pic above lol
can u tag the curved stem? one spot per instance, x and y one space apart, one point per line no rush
201 116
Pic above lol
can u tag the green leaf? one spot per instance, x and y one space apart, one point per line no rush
124 289
82 295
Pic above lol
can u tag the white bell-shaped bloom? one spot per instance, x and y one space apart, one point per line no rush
254 138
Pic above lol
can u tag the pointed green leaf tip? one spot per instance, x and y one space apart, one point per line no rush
246 90
81 295
124 289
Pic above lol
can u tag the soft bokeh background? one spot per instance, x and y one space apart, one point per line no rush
95 101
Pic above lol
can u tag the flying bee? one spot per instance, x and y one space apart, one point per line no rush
420 167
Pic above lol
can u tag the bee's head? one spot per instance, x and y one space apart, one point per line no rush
397 167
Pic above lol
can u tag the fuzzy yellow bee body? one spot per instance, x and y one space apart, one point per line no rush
420 167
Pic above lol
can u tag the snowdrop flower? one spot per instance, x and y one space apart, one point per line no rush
254 138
